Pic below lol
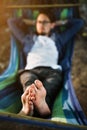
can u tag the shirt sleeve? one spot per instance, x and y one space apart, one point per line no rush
15 29
64 37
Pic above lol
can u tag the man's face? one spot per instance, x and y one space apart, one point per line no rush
43 25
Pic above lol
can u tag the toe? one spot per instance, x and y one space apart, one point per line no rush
38 84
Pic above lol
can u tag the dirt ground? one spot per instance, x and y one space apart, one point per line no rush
79 68
79 72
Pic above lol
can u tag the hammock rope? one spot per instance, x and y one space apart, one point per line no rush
43 6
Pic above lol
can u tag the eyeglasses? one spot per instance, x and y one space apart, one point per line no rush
43 22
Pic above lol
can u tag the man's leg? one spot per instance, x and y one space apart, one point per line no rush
27 78
53 85
52 82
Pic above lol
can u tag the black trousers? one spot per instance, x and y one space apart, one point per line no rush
51 79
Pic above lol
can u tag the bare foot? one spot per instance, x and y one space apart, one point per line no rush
40 96
26 99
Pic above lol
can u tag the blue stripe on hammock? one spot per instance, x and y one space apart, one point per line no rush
13 64
9 94
78 110
67 105
70 104
9 89
9 100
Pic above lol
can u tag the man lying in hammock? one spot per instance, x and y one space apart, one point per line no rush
42 76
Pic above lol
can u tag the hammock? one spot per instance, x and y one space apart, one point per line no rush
66 108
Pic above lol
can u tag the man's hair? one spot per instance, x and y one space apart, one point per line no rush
49 13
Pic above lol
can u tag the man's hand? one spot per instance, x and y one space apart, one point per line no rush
61 22
29 22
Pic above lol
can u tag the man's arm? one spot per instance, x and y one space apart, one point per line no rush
16 31
75 26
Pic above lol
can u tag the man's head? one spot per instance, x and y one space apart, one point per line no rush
44 24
